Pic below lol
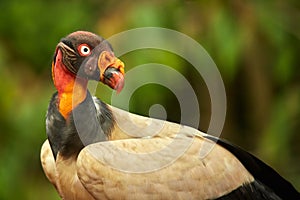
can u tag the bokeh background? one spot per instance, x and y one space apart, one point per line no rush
255 45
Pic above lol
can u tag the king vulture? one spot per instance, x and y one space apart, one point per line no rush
88 155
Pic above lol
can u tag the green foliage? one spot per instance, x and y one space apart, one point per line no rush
33 27
255 45
227 42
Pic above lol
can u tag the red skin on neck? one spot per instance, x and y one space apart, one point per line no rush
71 89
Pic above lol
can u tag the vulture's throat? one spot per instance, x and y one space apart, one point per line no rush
71 89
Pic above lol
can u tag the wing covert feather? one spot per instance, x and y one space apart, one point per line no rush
107 174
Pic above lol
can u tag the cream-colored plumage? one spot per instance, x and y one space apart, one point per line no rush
48 163
165 165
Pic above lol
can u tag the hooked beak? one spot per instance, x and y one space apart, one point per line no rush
111 70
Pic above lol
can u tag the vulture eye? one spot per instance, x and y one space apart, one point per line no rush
84 50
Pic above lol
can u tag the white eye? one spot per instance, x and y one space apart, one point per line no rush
84 50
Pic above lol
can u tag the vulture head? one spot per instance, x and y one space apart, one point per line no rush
87 56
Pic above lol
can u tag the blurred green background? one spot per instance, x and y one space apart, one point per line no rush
255 45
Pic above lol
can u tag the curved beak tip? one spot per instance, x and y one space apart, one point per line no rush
120 85
114 78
